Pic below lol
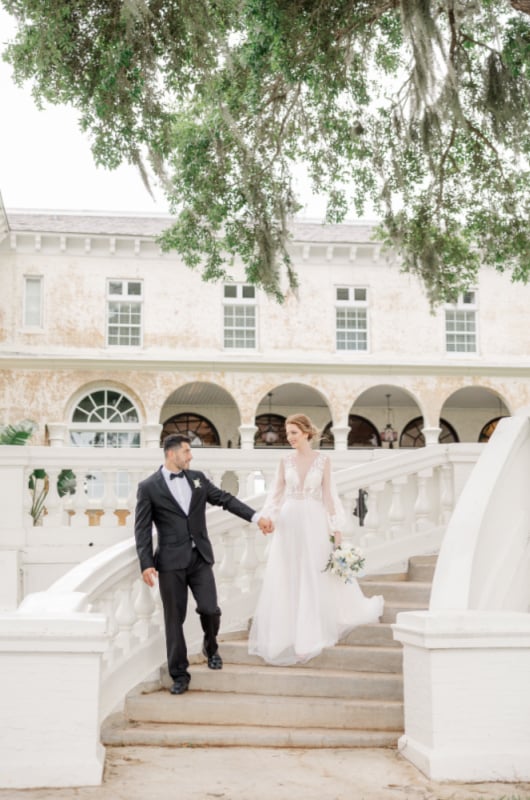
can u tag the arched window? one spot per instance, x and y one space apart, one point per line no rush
412 435
105 418
271 431
199 429
362 433
487 431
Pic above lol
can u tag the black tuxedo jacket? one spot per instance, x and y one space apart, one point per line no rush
155 505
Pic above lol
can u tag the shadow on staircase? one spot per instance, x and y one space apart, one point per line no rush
351 695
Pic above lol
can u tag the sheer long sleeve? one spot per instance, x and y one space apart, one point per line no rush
275 495
331 500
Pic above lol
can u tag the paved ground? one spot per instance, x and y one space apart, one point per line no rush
155 773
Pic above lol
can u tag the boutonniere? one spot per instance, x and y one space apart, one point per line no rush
197 483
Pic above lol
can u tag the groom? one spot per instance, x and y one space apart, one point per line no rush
174 500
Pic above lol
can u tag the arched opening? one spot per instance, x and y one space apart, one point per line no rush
280 403
205 412
471 409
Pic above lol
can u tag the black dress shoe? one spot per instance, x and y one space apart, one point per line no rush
215 661
180 686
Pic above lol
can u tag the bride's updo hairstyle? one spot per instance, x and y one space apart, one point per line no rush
305 425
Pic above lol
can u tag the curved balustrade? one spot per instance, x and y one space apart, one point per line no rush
484 562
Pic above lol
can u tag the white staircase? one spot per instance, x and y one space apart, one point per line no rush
349 696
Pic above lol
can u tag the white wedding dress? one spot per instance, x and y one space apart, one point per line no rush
302 608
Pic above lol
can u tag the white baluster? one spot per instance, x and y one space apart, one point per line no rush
372 521
80 518
109 501
446 493
145 608
396 513
52 517
107 605
423 507
125 618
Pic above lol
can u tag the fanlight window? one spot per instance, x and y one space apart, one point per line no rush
105 418
200 430
487 431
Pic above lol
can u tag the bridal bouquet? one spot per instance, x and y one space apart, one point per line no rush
345 562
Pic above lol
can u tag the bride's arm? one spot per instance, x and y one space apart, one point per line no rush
332 503
275 495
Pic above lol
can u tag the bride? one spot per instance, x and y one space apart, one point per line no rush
302 608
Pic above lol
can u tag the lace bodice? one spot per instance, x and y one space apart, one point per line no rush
317 483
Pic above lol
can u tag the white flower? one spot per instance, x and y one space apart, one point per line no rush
197 483
345 562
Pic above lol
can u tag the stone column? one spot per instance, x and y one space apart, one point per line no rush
431 435
57 434
340 433
247 433
151 434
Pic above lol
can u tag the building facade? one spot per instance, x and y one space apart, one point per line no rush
107 341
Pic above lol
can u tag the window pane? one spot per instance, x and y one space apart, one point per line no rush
249 291
115 287
343 294
230 291
134 288
360 295
33 302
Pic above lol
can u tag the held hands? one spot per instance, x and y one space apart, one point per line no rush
149 576
265 525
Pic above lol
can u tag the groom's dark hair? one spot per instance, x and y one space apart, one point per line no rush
174 441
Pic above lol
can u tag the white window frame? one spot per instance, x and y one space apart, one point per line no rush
36 326
466 302
239 301
351 302
124 298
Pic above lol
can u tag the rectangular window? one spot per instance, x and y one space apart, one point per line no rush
461 325
351 318
239 316
33 302
124 313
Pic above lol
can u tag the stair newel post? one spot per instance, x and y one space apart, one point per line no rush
396 512
145 608
372 520
52 511
422 506
446 493
125 619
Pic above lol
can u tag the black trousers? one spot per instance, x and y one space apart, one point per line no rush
198 577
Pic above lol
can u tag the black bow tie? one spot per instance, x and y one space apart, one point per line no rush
176 475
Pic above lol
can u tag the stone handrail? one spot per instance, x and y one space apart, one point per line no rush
484 562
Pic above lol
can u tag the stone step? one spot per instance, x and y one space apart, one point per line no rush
375 634
295 681
398 591
421 568
208 708
118 732
391 610
348 657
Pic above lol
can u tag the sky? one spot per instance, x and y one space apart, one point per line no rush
46 161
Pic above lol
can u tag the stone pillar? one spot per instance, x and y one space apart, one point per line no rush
50 674
431 435
151 434
247 433
465 679
340 434
57 434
